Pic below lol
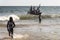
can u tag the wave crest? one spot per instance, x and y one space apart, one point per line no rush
26 17
4 18
51 16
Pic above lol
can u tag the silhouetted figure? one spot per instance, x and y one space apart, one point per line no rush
10 26
35 12
38 11
30 8
40 18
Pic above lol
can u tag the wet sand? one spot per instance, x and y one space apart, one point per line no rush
32 32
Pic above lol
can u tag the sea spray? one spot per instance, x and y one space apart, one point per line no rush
28 17
20 36
4 18
15 17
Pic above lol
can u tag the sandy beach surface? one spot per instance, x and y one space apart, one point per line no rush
33 31
28 26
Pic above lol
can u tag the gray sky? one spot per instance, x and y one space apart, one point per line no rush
29 2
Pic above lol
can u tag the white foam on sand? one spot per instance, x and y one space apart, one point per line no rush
15 36
20 36
35 30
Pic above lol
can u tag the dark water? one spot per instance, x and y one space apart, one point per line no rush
5 10
49 28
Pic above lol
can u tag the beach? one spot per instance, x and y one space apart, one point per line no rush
48 29
28 26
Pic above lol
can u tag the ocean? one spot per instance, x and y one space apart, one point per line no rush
28 28
24 9
6 11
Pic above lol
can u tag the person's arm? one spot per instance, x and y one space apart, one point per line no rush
13 24
7 25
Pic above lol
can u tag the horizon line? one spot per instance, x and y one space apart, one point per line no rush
21 5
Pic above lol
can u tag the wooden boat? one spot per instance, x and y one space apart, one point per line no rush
34 11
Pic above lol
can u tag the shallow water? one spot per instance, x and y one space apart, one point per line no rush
35 21
48 29
33 32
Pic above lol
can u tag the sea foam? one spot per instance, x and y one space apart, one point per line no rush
4 18
19 17
20 36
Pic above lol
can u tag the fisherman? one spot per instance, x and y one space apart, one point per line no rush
40 18
10 26
38 11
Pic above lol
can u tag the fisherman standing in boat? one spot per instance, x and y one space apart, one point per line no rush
10 26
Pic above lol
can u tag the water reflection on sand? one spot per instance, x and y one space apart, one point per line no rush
36 32
32 30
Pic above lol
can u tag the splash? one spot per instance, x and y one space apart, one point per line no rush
15 17
4 18
20 36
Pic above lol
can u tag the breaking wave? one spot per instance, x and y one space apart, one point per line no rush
44 16
4 18
16 17
51 16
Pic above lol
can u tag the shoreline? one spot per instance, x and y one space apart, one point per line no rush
34 32
27 25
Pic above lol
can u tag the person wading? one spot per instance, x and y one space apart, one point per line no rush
10 26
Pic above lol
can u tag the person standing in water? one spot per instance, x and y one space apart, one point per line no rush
10 26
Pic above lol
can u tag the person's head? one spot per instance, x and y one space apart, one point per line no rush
10 19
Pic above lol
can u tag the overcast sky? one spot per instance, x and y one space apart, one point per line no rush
29 2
